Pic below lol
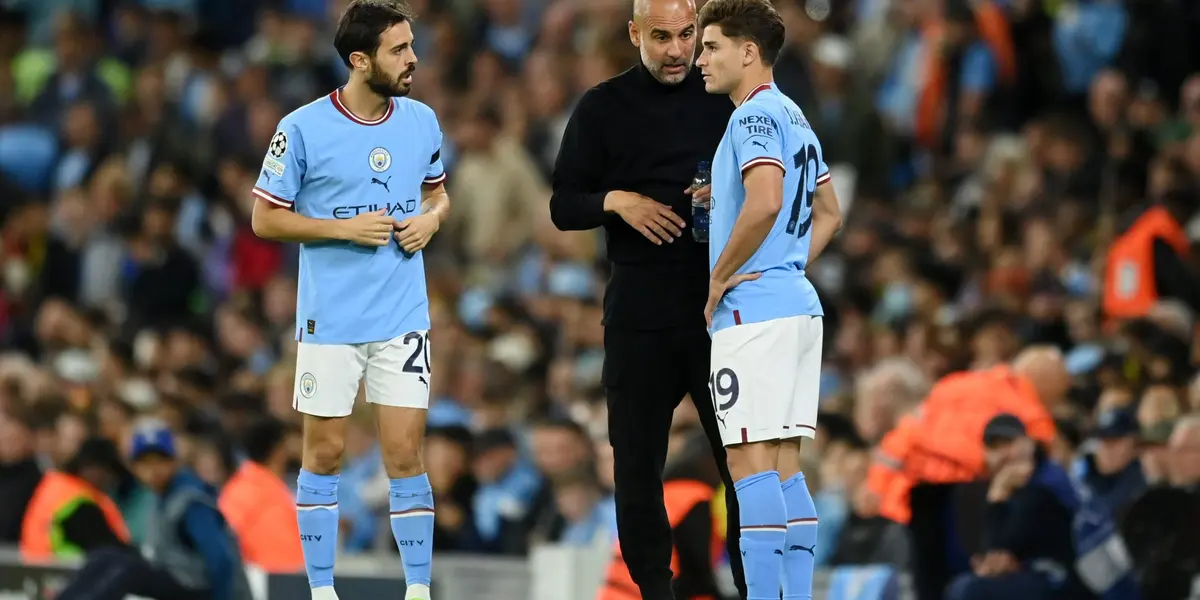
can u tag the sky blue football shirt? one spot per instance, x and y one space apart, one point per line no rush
767 129
326 163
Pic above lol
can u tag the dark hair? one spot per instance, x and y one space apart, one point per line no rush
263 437
751 20
364 21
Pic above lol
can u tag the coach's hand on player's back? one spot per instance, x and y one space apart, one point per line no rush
654 220
368 229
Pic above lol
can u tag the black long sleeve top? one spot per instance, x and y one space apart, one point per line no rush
632 133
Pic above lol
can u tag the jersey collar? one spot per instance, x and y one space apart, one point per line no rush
336 98
762 87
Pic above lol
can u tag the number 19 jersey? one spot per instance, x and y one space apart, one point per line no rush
767 129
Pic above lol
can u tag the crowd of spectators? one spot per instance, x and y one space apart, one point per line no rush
987 154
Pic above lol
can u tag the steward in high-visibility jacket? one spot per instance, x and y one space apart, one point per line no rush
68 515
1145 264
689 510
940 443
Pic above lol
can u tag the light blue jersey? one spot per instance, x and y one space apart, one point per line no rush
767 129
329 164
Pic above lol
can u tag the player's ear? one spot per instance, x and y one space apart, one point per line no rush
635 35
749 53
360 61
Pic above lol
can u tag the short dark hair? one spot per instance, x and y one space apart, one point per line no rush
263 437
751 20
364 21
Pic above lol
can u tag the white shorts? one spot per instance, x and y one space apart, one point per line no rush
766 379
396 373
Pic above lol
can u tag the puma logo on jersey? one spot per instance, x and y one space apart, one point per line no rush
759 144
797 548
383 183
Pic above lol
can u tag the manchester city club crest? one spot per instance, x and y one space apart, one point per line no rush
308 385
381 159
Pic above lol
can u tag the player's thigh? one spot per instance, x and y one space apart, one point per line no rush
397 371
751 383
805 401
327 378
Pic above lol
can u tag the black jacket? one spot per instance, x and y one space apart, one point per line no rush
635 134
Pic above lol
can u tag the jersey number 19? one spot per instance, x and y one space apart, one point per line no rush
804 192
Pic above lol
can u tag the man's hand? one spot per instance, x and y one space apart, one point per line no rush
368 229
414 233
1009 479
717 290
654 220
995 564
702 196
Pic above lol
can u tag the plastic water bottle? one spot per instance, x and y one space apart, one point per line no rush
700 209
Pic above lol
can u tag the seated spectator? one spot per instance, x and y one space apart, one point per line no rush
508 486
20 473
69 515
1112 470
588 518
866 538
448 459
259 505
1028 551
192 555
1161 525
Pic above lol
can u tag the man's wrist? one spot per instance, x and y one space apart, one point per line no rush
338 230
612 201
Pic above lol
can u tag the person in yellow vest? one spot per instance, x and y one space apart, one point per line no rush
69 515
689 487
1146 262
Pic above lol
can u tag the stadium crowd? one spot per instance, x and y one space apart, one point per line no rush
989 154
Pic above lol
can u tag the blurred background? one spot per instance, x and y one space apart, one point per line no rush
989 154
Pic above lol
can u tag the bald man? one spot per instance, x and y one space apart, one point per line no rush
628 156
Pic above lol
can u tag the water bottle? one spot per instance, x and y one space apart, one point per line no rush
700 209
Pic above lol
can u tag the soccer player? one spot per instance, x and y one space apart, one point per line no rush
772 213
355 177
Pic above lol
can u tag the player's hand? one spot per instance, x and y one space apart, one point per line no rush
414 233
701 196
368 229
652 219
717 290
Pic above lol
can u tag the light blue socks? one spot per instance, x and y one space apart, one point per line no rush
412 525
799 558
317 514
764 532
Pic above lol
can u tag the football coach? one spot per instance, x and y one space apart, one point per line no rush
628 155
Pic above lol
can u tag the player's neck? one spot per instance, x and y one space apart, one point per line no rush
362 102
753 79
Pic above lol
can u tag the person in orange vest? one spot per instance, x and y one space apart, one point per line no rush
259 506
69 515
1146 261
940 442
689 491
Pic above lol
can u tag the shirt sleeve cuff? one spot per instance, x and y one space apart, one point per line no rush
762 160
272 198
594 207
434 180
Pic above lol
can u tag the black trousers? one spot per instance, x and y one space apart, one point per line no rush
646 374
114 573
